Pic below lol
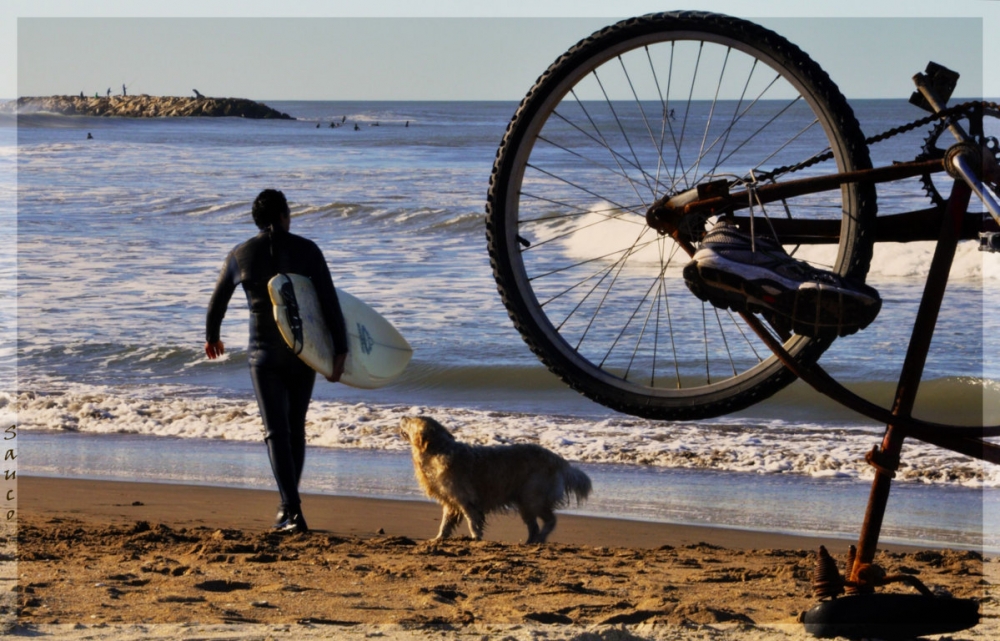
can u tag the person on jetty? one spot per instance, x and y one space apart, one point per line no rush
283 384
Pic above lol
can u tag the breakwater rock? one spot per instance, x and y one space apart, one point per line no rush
142 106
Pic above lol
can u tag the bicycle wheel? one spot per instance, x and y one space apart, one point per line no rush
648 107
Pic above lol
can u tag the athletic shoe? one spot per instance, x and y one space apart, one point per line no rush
733 270
294 524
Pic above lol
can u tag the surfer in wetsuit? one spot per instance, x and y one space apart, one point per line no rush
283 383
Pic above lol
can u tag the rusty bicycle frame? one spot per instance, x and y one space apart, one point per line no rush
946 224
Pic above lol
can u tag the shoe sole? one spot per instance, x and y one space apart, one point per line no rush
810 309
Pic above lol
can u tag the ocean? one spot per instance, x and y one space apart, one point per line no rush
119 240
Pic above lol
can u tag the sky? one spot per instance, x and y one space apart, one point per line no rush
441 49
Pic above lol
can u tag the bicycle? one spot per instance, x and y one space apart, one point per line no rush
641 136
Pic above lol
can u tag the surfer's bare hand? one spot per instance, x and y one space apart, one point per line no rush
338 368
215 350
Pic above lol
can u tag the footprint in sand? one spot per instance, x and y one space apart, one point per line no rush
223 586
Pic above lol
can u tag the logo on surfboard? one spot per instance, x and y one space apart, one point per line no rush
367 342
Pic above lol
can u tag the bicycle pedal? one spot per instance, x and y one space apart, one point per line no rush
989 241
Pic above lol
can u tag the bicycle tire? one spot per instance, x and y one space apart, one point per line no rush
546 181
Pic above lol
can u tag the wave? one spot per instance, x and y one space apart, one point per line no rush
423 219
593 234
958 400
510 378
732 444
961 400
911 261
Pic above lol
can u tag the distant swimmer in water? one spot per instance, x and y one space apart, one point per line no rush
356 127
407 123
317 125
333 125
343 120
89 137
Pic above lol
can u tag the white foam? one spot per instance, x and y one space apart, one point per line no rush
910 261
741 446
597 234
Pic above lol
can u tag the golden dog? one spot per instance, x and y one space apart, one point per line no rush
472 481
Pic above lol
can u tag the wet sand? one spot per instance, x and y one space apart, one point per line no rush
135 560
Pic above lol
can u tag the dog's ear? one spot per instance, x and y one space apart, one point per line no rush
418 439
435 437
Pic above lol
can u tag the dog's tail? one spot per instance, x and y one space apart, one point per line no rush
577 483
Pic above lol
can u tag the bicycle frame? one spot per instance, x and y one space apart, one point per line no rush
568 163
905 227
952 223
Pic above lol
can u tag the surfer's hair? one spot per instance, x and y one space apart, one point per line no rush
269 208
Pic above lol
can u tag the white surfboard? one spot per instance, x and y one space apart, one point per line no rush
376 352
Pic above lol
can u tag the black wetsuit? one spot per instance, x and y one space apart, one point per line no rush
282 382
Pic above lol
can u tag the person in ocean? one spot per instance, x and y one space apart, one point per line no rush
282 383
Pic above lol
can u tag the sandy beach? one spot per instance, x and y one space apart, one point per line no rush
138 560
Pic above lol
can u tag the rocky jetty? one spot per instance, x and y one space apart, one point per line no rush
142 106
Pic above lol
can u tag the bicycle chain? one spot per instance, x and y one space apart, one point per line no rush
885 135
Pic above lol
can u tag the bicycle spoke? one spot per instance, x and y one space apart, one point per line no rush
645 121
590 284
590 260
736 118
620 158
687 112
635 311
571 232
617 264
746 339
661 162
752 137
725 342
606 144
579 211
787 143
605 297
667 111
571 288
708 362
659 284
642 332
670 328
711 114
